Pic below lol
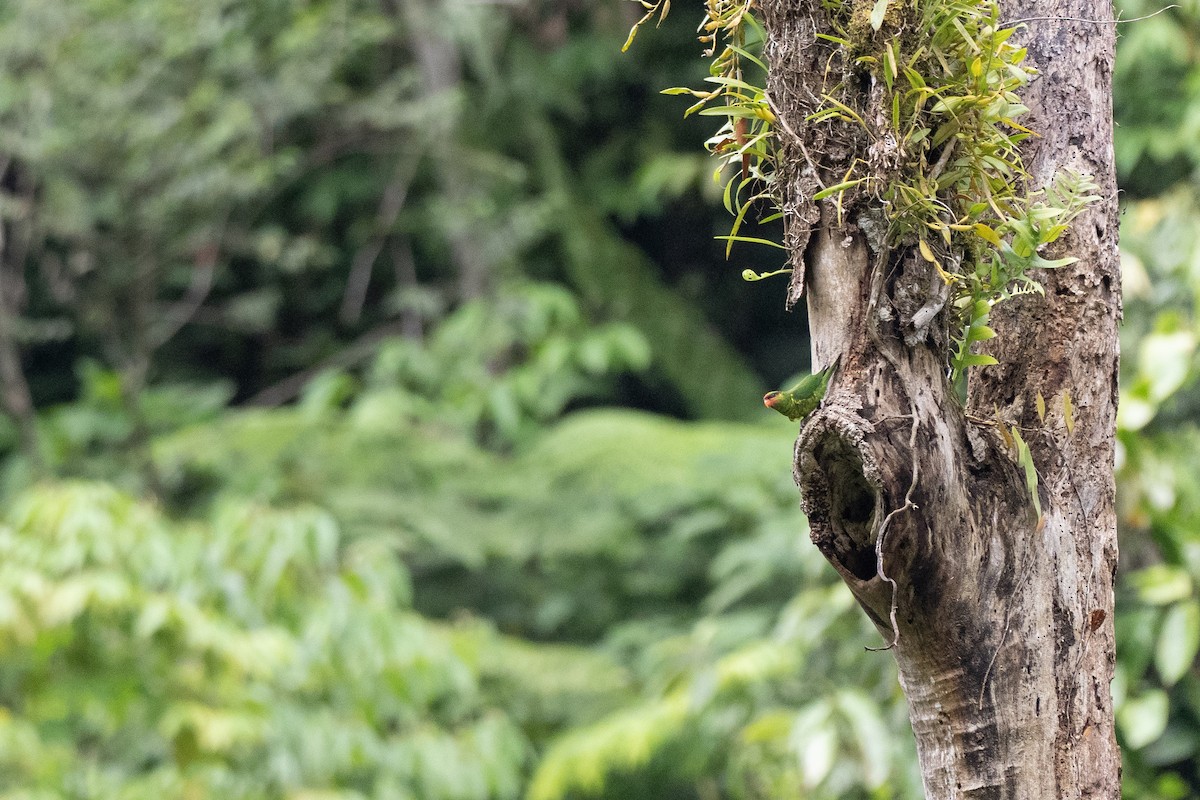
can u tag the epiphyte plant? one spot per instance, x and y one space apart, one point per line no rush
940 163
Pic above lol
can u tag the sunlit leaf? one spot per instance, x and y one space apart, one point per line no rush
1143 719
1178 641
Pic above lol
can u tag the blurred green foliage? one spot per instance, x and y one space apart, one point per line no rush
258 655
239 190
447 231
1157 687
264 647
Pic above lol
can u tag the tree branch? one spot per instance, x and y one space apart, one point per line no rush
390 205
182 312
360 349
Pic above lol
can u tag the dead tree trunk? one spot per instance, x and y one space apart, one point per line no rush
1001 619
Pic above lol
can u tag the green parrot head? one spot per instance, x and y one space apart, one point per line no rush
802 399
779 401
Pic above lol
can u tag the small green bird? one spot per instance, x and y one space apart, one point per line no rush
803 398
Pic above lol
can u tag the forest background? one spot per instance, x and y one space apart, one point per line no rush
382 419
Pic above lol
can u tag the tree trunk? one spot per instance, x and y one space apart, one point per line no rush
441 68
1001 620
14 388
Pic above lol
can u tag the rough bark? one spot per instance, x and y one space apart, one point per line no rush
441 68
1001 621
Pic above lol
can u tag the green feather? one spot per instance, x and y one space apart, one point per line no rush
803 398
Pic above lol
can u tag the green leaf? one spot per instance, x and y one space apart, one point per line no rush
674 90
978 360
845 110
815 736
877 13
871 734
1041 263
1025 459
981 333
751 276
751 240
839 187
1143 719
1161 584
926 252
918 135
746 54
835 39
987 233
1178 641
730 111
1164 360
